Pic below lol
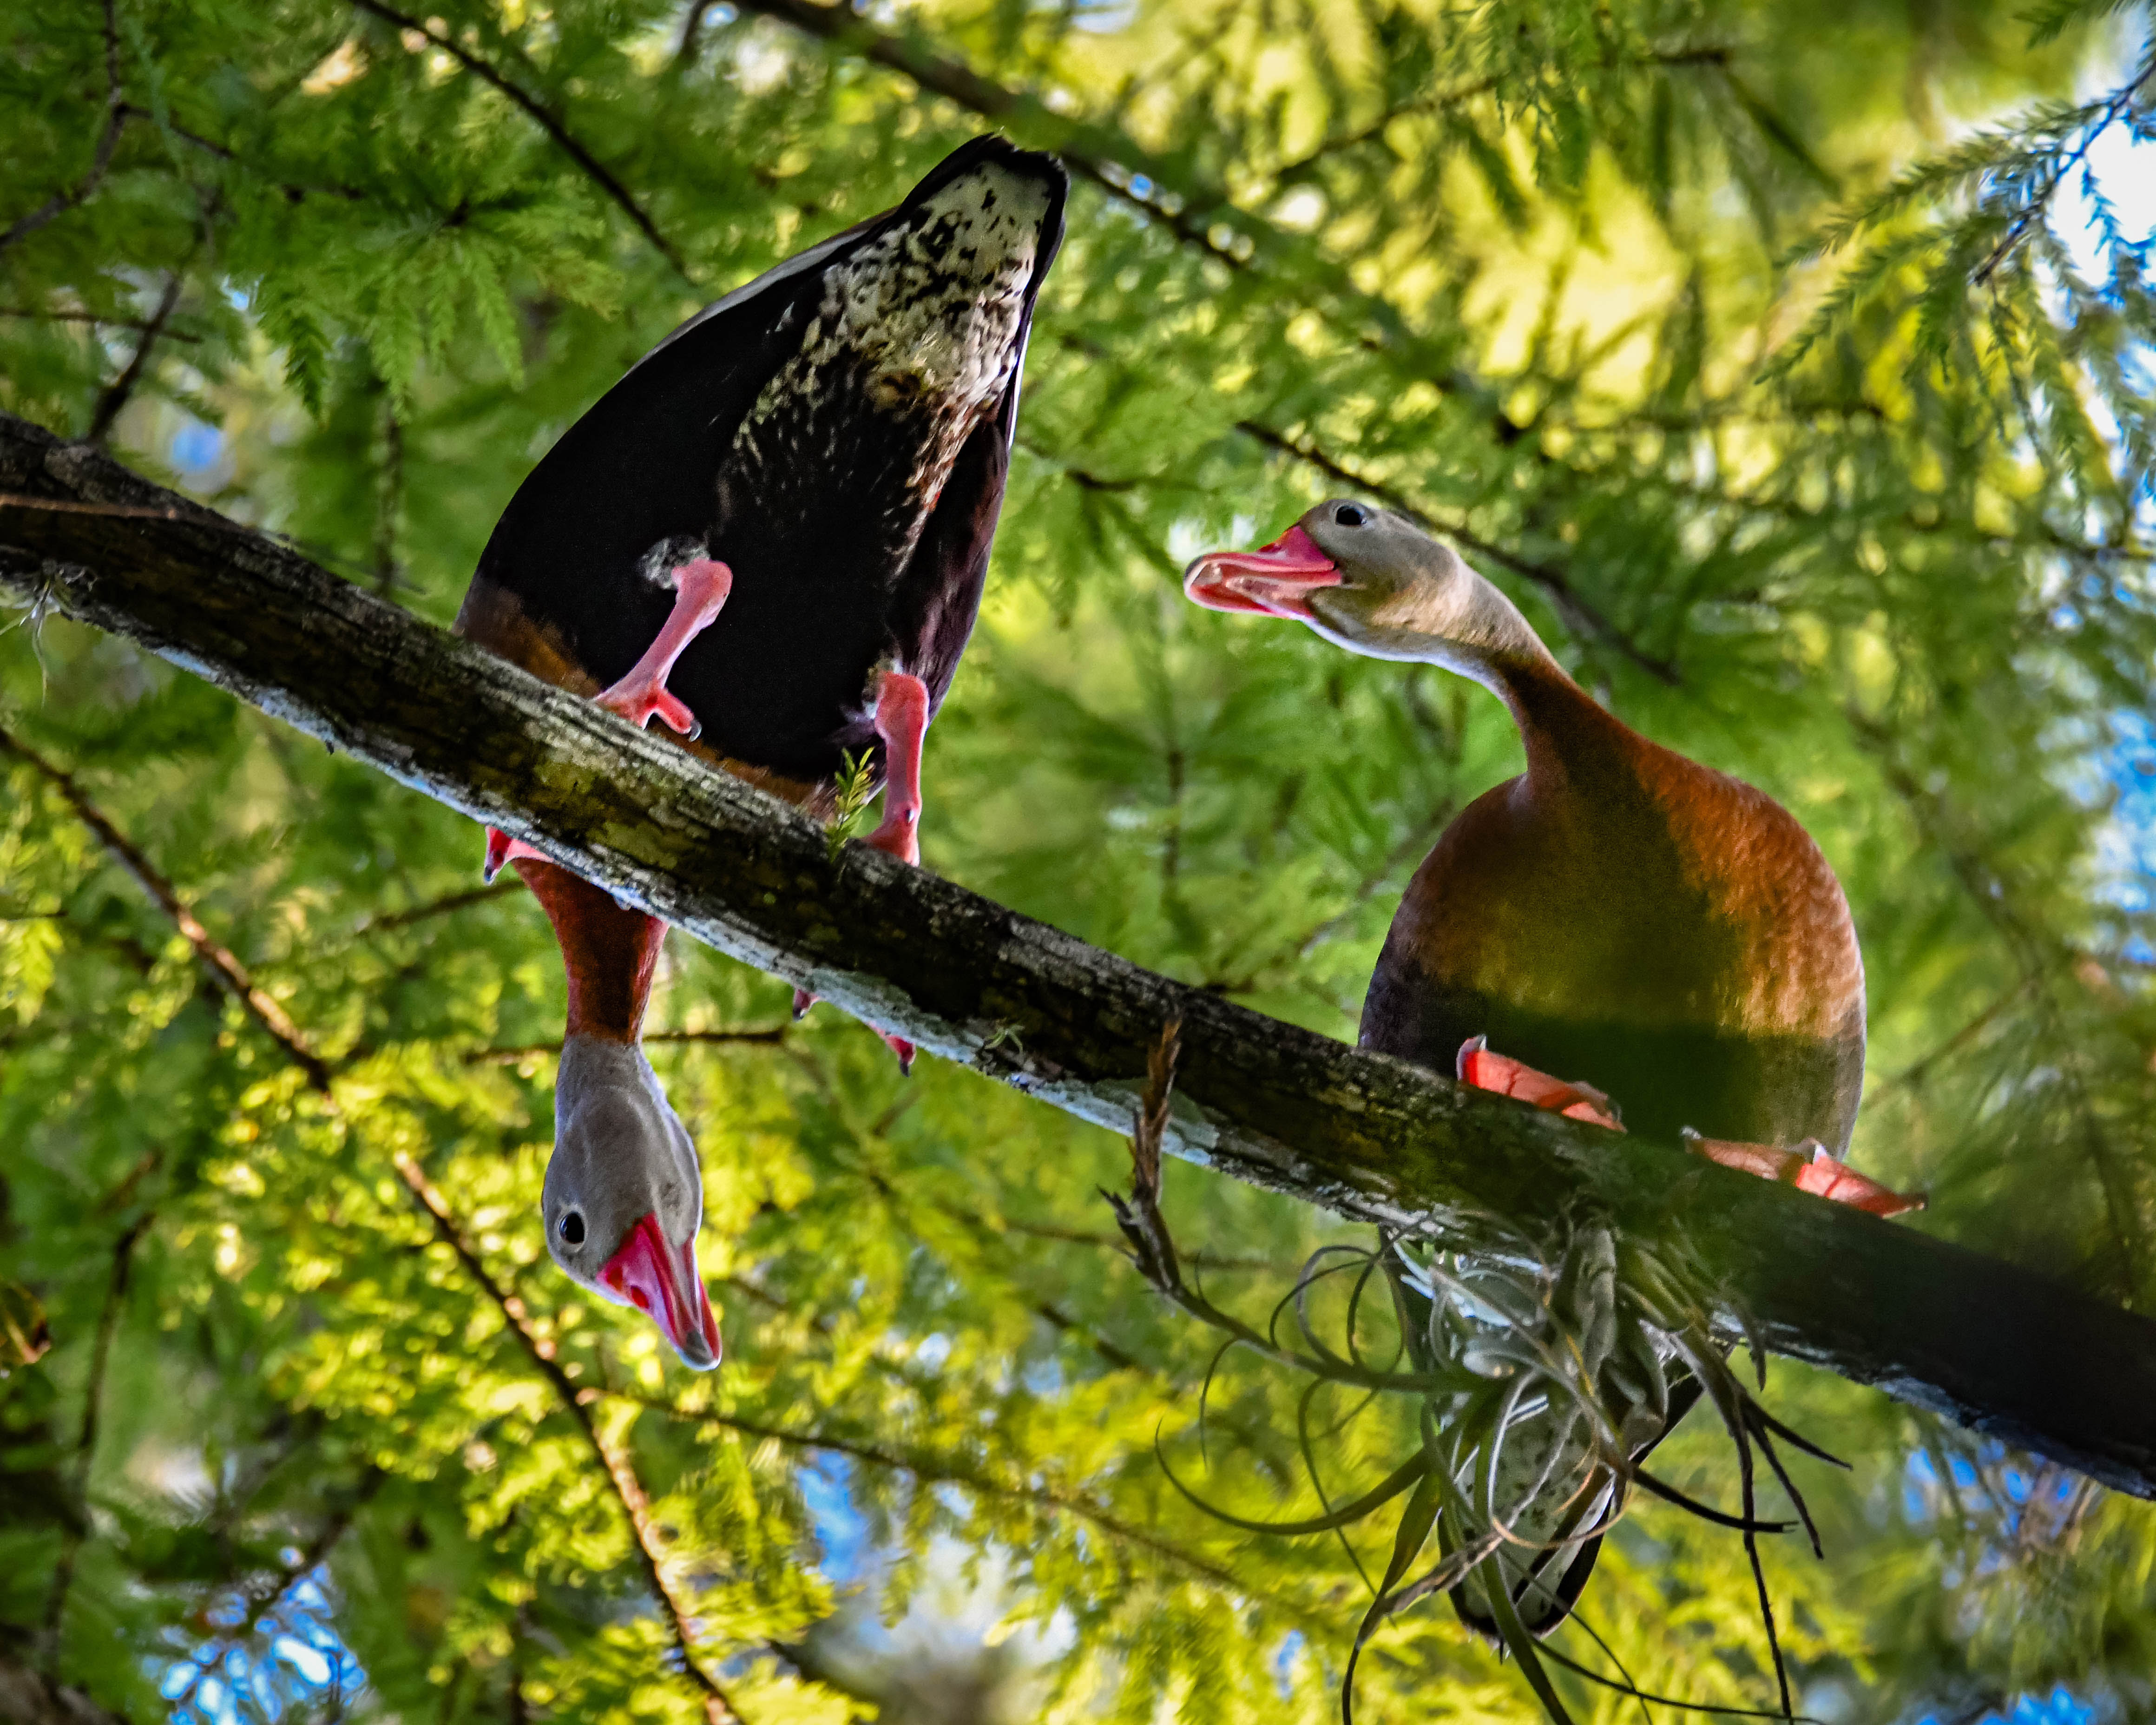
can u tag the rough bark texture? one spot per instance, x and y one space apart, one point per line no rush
1992 1346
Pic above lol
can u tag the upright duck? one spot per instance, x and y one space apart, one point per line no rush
1670 935
1617 911
772 534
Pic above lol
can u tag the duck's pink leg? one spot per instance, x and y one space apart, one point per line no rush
901 720
1811 1167
1486 1070
699 594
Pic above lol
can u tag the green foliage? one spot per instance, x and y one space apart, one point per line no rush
1868 526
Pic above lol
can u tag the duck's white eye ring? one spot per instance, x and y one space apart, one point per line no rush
1350 514
571 1227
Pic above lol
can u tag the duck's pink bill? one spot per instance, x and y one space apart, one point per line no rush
1275 582
661 1282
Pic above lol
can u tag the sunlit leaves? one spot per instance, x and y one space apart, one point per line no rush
1517 269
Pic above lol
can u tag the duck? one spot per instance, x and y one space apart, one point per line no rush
1668 937
771 535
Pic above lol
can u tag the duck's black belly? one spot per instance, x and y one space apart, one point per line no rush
1710 981
839 438
1765 1089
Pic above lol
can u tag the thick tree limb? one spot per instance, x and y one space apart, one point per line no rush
1999 1348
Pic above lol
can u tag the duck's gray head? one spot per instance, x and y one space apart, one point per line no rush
624 1194
1371 581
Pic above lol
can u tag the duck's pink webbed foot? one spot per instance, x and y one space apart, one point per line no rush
901 720
699 594
1811 1167
502 849
1479 1066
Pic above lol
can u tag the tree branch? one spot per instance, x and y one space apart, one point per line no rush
600 175
2013 1354
117 394
224 969
68 197
1203 216
85 1448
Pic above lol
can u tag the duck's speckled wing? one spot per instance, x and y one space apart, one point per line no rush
852 487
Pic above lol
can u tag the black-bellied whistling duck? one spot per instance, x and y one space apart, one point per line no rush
1670 935
1619 912
773 534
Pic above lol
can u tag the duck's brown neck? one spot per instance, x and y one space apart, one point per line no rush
608 952
1573 743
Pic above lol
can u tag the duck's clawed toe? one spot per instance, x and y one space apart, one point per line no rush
802 1000
1478 1064
699 594
501 850
1809 1167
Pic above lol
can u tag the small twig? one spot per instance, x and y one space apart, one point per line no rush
224 968
85 1448
262 1601
2009 241
117 394
389 499
548 123
936 1471
769 1036
1916 1071
686 50
32 314
438 907
68 197
1151 1246
1094 1237
67 506
1413 844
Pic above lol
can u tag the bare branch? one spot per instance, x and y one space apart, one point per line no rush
32 314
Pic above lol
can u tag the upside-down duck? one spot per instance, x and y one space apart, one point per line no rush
1670 937
772 535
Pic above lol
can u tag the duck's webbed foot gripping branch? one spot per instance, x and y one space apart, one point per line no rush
1376 1139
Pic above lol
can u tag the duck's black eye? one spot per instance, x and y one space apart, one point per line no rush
571 1226
1351 515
